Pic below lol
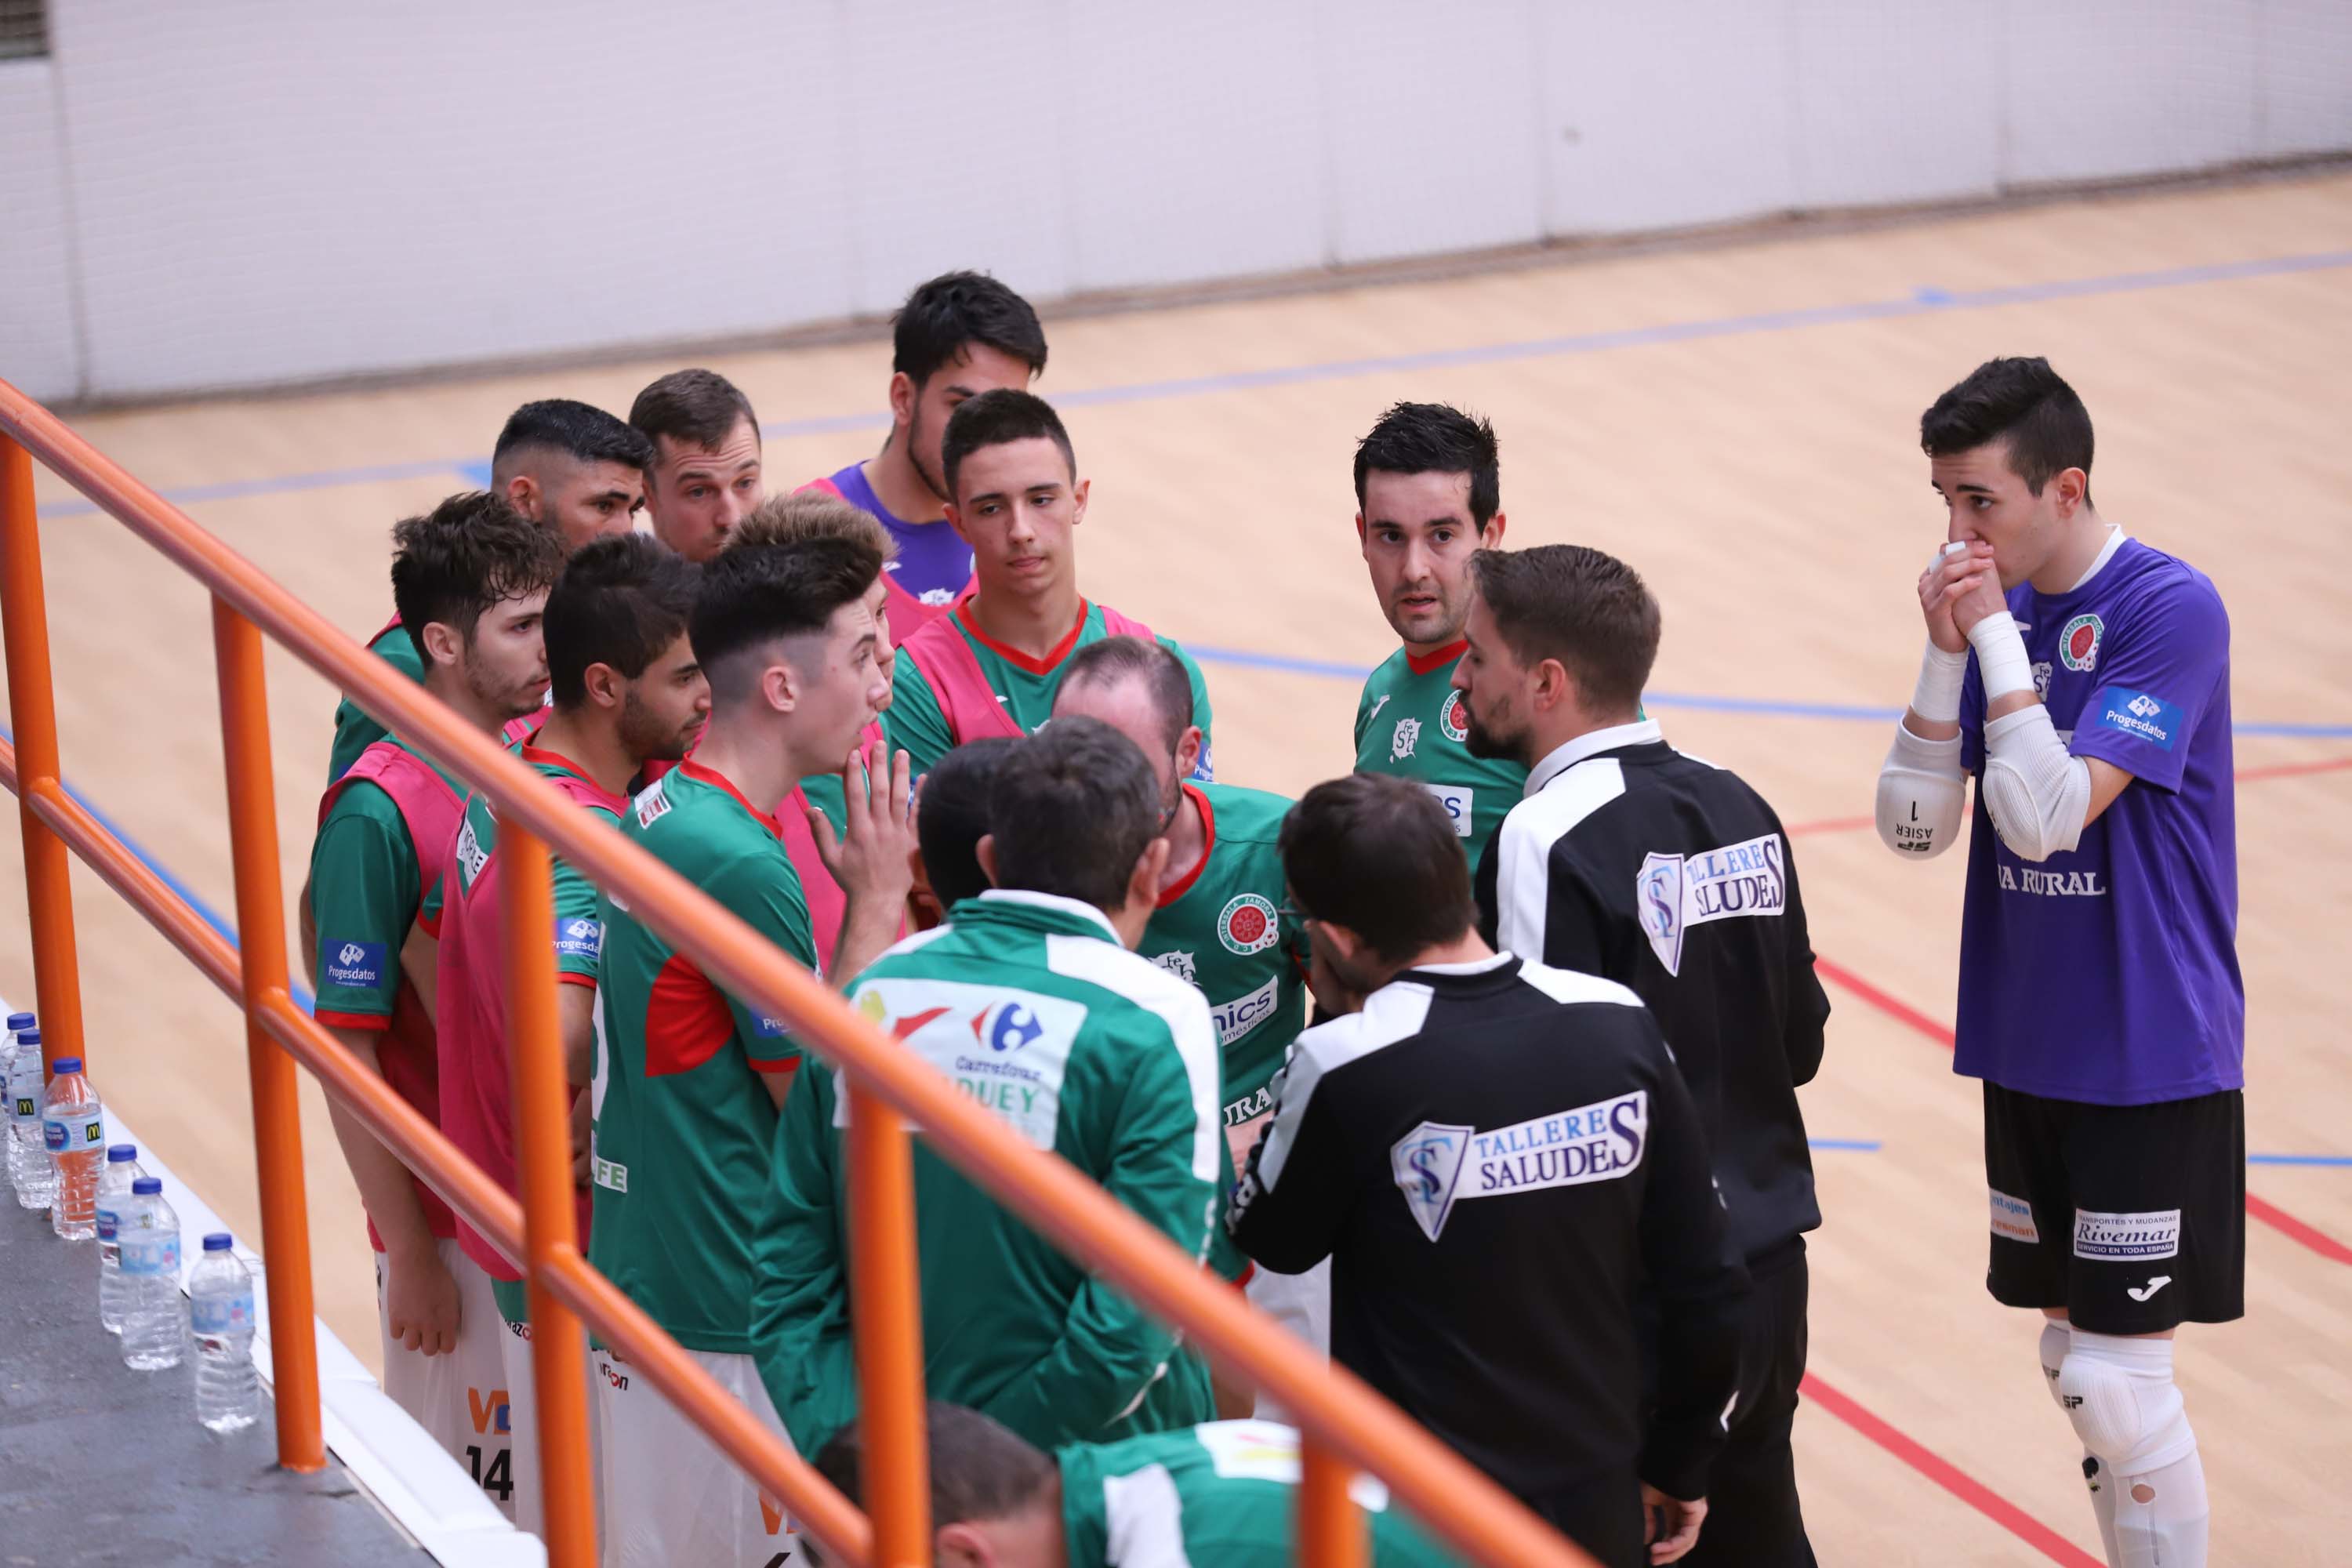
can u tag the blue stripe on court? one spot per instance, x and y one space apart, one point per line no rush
2328 1159
1922 302
194 900
1857 1145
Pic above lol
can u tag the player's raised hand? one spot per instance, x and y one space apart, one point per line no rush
871 860
1956 571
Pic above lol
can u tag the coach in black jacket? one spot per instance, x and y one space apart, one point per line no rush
1630 860
1498 1158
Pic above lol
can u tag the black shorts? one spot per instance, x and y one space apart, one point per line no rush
2132 1217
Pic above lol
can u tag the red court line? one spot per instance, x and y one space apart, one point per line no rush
2269 1214
1950 1477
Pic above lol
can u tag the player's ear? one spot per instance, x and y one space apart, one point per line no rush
1491 536
985 853
1363 539
955 520
605 685
443 646
1143 882
1554 686
2074 489
1078 501
1188 752
779 686
963 1546
522 494
903 392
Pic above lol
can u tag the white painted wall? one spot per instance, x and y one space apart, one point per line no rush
249 192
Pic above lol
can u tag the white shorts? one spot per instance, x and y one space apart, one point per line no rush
522 1400
670 1494
459 1398
1299 1302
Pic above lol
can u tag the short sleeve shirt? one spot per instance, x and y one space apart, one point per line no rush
366 891
1409 724
355 732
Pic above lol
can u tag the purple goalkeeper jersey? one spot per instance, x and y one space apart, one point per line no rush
2109 973
933 565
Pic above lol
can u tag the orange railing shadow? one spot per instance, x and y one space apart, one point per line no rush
1344 1426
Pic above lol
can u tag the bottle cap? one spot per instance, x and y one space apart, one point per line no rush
28 1036
64 1065
147 1187
20 1021
121 1153
217 1241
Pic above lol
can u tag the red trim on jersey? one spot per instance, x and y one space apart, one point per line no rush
1422 663
1013 656
545 757
371 1022
686 1018
1208 847
784 1066
566 977
717 780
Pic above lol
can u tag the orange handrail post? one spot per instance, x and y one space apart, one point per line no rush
276 1109
32 707
887 1313
1330 1530
542 1114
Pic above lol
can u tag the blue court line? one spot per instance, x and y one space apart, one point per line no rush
1859 1145
1926 301
188 895
1767 707
2331 1160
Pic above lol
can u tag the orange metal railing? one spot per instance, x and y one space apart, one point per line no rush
1345 1427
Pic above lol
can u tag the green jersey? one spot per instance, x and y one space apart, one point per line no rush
355 730
1225 1494
1220 932
684 1124
918 719
367 889
1029 1003
1410 722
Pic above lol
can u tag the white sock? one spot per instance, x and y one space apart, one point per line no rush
2102 1505
2149 1497
2161 1518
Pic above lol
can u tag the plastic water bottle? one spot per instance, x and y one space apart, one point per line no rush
220 1313
73 1124
30 1170
113 1196
154 1317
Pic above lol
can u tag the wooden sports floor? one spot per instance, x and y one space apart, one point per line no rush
1739 421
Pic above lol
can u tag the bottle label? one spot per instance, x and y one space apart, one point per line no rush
107 1222
149 1253
71 1131
222 1314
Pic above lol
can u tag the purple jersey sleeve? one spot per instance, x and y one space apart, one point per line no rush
2158 678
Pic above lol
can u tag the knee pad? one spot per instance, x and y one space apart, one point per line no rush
2120 1395
2056 1340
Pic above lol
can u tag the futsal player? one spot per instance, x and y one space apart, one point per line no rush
471 579
1503 1166
1031 1001
1668 875
1225 1494
959 335
687 1076
951 819
564 464
1428 495
705 477
2083 678
990 665
627 691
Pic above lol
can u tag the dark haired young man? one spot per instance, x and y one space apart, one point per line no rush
704 475
565 465
471 579
1031 1000
689 1076
958 336
573 467
1438 1141
627 691
951 819
991 665
1225 1494
1428 493
1670 875
2084 679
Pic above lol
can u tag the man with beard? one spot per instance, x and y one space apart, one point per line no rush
705 477
470 582
1428 494
1502 1164
1669 874
627 691
959 335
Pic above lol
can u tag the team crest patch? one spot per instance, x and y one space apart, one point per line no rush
1400 744
2078 645
1249 924
1452 720
2042 679
1427 1165
1178 964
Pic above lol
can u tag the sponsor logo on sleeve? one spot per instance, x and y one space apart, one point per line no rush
581 937
2078 643
1248 924
470 858
1402 742
2127 1237
1456 803
2013 1218
2139 714
1242 1013
1438 1165
652 802
1673 893
355 965
1378 703
1451 720
768 1028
